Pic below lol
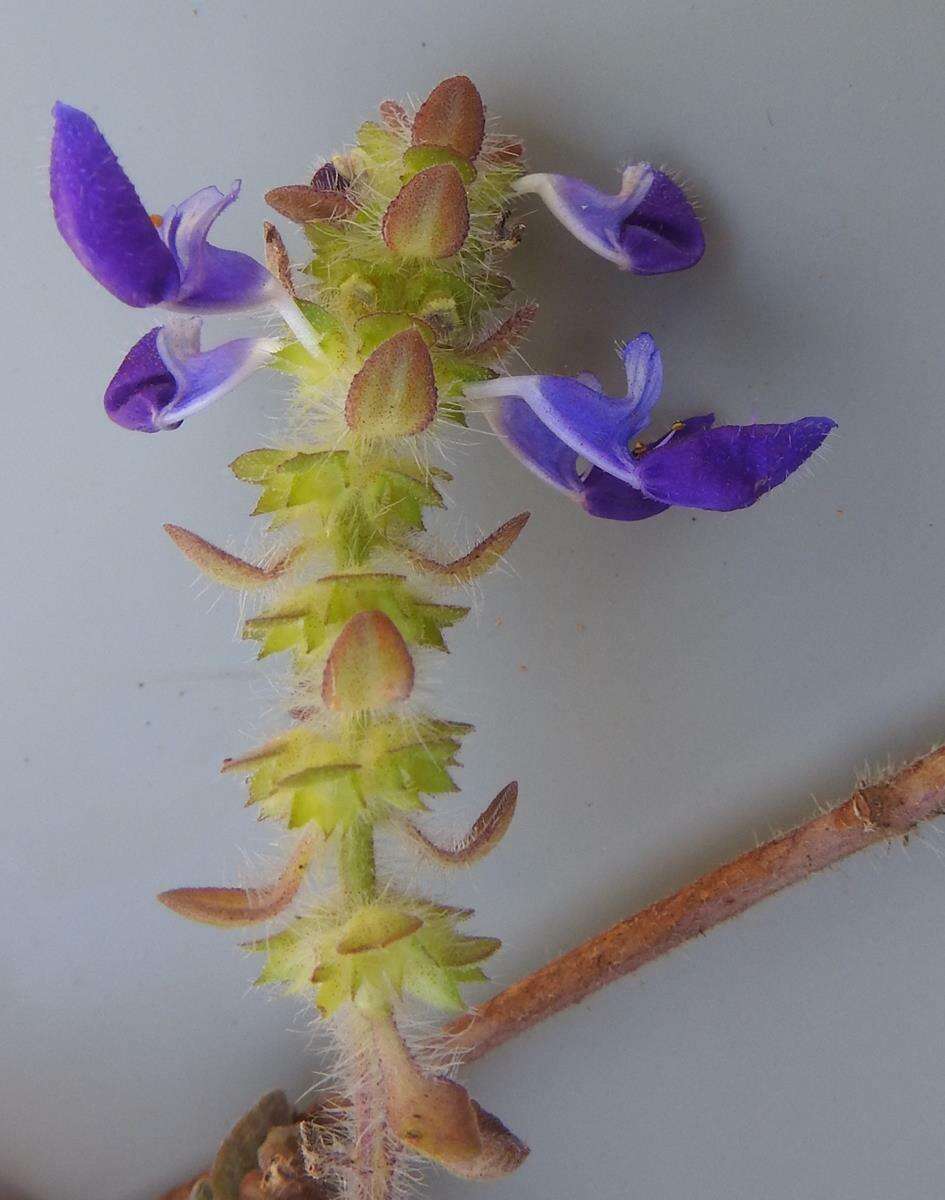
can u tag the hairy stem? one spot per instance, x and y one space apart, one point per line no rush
356 862
872 814
373 1167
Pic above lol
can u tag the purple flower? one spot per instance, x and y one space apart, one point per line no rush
144 261
166 377
552 423
648 228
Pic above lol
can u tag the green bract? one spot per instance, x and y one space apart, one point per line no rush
308 775
377 953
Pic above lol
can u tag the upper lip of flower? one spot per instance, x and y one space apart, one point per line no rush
141 261
552 421
649 227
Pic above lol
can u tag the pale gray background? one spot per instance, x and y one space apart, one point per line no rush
731 666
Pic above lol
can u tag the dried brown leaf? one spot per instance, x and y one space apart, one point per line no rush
237 1155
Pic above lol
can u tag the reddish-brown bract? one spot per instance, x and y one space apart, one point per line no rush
394 393
452 117
429 216
369 665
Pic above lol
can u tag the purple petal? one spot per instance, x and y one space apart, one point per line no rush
662 233
534 444
644 366
604 496
165 377
649 227
590 422
100 216
141 388
551 460
729 467
212 280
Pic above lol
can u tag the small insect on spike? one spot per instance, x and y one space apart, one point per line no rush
452 117
394 393
222 567
487 831
429 216
243 906
369 665
438 1119
302 202
479 559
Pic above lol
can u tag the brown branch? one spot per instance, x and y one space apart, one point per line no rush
872 814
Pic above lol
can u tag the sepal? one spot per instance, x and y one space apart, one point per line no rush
353 506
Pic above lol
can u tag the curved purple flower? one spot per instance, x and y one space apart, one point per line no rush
553 422
648 228
144 261
166 377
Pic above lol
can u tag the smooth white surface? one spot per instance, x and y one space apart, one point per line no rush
664 692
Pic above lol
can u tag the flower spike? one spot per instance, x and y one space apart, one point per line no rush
166 377
400 313
140 260
648 228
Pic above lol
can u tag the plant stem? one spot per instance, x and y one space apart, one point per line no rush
872 814
356 862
